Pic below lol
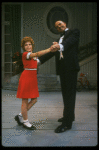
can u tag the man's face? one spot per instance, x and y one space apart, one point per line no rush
60 26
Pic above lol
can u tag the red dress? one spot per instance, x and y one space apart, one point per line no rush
28 86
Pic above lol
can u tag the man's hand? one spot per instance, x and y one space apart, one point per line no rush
55 47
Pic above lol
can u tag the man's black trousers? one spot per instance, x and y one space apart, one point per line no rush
68 80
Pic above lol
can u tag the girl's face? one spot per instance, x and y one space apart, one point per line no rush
28 47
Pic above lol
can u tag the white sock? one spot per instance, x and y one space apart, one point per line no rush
20 114
26 122
20 117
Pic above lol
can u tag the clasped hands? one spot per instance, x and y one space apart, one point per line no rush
55 47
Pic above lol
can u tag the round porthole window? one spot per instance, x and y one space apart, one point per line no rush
55 14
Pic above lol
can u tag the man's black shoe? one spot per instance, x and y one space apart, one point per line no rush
62 128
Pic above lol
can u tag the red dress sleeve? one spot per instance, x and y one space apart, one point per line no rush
28 63
24 55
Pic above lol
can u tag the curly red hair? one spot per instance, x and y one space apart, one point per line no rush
27 39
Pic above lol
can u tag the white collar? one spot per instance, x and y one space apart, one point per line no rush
66 29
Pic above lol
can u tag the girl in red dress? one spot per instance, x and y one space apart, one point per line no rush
28 86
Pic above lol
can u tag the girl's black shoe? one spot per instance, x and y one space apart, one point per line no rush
18 120
30 128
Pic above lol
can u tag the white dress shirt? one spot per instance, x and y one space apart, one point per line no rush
61 47
60 41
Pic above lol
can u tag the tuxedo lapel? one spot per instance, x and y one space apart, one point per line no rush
67 33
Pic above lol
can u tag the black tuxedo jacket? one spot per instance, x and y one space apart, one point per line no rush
70 60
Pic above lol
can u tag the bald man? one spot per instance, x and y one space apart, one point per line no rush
65 51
